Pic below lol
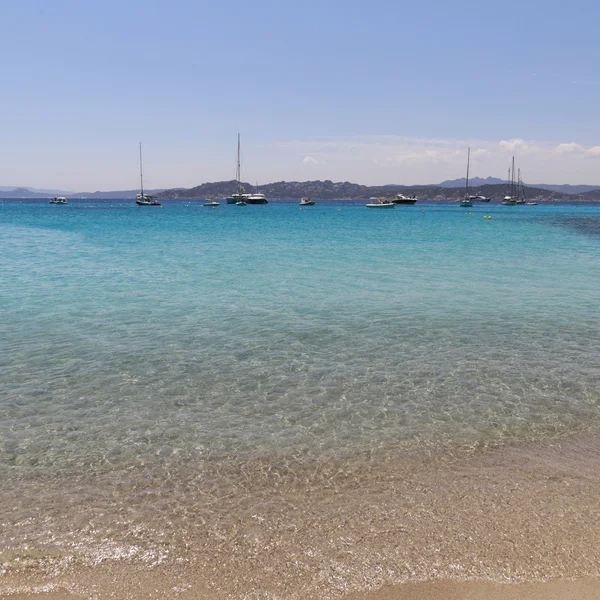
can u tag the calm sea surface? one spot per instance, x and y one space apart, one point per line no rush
163 338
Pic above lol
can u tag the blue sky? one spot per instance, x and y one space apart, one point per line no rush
374 92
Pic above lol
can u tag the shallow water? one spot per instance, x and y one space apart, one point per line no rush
183 350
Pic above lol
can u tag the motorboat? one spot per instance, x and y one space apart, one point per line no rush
307 202
402 199
381 203
256 199
241 203
212 203
58 200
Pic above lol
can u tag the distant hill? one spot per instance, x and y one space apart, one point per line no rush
562 188
474 182
567 189
12 188
119 195
23 193
344 190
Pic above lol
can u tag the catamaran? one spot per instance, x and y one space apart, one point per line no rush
144 199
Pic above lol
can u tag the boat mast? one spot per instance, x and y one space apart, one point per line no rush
512 180
141 174
467 180
238 169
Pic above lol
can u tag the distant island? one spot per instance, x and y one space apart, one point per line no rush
342 190
329 190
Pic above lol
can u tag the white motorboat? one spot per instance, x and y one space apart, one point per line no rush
381 203
256 199
58 200
144 199
307 202
212 203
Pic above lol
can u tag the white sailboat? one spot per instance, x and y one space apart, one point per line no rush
510 199
144 199
466 201
239 197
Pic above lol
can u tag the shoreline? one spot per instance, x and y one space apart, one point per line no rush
374 531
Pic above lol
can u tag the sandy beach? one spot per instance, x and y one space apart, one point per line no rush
524 516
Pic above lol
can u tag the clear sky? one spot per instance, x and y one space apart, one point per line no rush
372 92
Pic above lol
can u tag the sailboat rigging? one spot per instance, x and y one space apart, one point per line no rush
144 199
466 201
239 197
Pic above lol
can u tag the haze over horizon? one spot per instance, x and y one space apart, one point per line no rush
318 90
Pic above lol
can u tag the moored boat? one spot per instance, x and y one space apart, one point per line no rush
58 200
402 199
142 199
256 199
307 202
212 203
466 201
381 203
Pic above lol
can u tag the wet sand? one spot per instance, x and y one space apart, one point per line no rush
379 528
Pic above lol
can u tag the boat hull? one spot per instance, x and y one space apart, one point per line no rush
256 201
386 205
405 201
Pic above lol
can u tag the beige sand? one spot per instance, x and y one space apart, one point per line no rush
521 514
588 589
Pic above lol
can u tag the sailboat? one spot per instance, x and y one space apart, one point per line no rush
144 199
239 197
510 199
520 199
466 201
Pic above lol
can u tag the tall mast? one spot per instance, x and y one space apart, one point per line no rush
238 168
141 174
512 179
467 186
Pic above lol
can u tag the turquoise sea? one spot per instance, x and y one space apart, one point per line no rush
148 340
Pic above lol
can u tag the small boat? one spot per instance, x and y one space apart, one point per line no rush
241 203
256 199
212 203
532 203
381 203
58 200
401 199
480 198
466 201
142 199
307 202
